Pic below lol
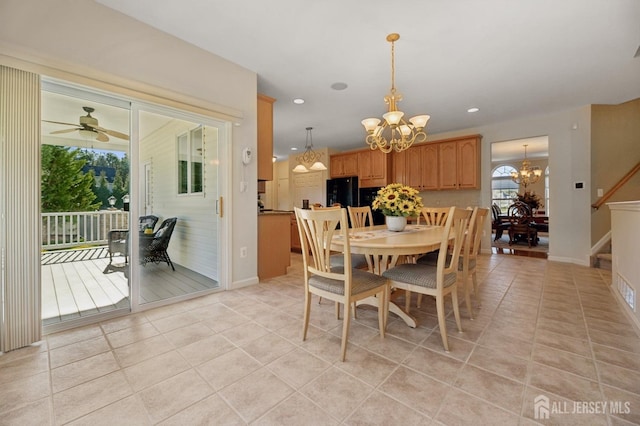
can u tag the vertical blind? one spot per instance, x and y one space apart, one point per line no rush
20 303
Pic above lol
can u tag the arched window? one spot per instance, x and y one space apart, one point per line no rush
503 189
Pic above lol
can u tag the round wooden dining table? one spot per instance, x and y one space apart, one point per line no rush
386 247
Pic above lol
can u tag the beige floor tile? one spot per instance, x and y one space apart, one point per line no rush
173 322
379 409
623 330
35 413
186 335
210 411
132 334
367 366
565 361
458 348
433 364
296 410
75 335
460 408
298 367
155 370
563 384
500 362
628 380
206 349
390 347
256 394
503 392
268 347
169 397
418 391
142 350
617 357
561 411
496 340
78 372
627 404
337 393
128 411
22 392
615 341
83 399
25 366
244 333
565 343
120 323
227 368
77 351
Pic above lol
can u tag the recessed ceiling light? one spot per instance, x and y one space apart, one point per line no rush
298 101
339 86
474 109
293 148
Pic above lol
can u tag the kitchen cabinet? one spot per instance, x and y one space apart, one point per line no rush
274 244
265 137
374 168
343 165
458 163
417 167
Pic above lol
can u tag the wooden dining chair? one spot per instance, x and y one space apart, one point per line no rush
435 216
468 255
439 280
360 216
343 285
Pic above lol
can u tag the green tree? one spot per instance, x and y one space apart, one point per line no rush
102 191
64 187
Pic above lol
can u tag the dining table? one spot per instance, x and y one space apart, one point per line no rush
386 248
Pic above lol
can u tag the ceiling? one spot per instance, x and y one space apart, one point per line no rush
508 58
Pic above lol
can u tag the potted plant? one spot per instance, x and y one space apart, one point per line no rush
397 201
531 199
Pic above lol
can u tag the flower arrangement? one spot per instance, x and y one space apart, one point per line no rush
398 200
529 198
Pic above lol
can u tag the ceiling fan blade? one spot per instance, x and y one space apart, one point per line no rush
111 132
102 137
63 131
60 122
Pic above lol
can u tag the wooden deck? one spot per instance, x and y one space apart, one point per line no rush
79 283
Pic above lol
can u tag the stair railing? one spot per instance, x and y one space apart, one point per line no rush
615 187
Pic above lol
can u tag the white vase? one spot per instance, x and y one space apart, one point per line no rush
396 223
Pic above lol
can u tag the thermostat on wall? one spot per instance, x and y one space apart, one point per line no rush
579 185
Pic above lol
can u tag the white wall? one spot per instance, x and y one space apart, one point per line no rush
569 160
90 44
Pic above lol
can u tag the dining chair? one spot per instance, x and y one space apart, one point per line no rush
439 280
468 255
360 216
435 216
342 284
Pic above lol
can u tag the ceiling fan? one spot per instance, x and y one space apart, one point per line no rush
90 124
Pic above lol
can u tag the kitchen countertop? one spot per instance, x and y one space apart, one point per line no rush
272 212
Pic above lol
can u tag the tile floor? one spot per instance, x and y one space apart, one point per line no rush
541 328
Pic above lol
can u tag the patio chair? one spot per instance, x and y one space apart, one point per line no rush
146 222
118 243
153 247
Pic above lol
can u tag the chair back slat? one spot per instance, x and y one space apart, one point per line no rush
455 226
360 216
435 216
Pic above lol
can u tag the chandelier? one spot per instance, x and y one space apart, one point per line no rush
527 174
309 160
394 133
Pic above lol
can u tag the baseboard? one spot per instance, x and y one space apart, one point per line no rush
244 283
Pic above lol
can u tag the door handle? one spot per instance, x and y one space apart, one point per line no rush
220 207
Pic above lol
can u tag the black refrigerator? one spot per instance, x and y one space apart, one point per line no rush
367 195
343 191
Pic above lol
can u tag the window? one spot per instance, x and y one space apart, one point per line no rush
503 189
190 179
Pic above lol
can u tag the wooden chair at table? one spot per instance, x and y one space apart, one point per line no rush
342 284
439 280
468 255
435 216
519 214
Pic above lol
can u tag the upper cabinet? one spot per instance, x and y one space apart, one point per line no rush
458 163
265 137
439 165
374 168
343 165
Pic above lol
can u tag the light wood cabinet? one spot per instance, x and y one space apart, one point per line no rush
398 166
343 165
417 167
274 244
373 168
458 163
265 137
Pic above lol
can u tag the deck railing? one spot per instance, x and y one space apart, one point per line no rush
71 229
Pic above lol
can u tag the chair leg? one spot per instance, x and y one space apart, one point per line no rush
382 304
456 308
419 301
345 329
407 300
337 310
467 293
305 321
442 323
